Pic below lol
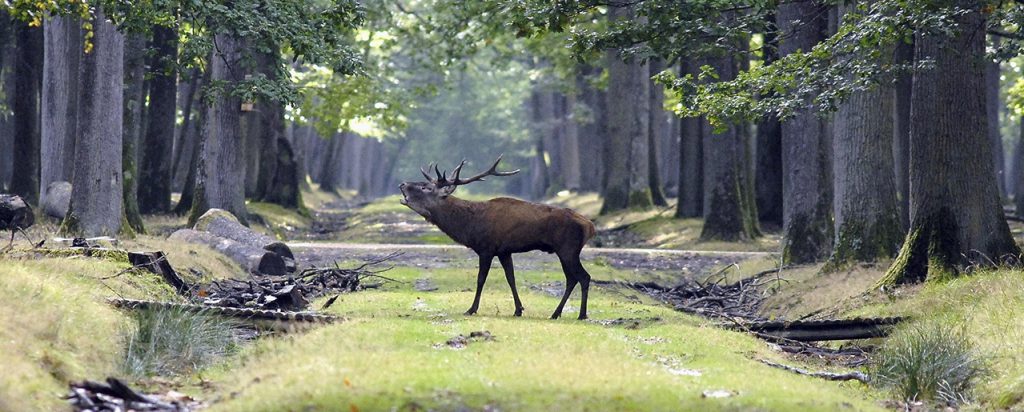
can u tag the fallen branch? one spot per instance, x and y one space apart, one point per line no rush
848 376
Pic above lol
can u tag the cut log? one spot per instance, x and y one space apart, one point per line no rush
15 214
251 258
57 199
222 223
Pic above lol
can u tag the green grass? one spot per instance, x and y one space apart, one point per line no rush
171 342
391 353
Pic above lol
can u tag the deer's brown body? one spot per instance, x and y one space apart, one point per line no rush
503 226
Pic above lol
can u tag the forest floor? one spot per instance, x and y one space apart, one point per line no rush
407 346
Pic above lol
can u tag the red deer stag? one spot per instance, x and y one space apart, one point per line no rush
503 226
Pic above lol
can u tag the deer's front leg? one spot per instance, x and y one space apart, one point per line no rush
510 276
481 278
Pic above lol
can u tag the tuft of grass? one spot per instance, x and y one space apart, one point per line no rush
929 360
172 342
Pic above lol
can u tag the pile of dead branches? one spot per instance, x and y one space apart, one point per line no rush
291 292
114 395
735 301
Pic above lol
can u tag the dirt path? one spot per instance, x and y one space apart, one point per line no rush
440 256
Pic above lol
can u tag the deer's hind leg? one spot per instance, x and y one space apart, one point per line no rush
510 276
570 284
584 279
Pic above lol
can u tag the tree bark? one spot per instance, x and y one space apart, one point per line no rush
220 182
8 49
901 132
570 143
727 215
691 158
271 122
955 211
329 176
866 215
591 138
992 107
657 128
62 54
97 189
1018 173
187 138
191 154
768 167
133 126
28 68
807 183
627 153
155 193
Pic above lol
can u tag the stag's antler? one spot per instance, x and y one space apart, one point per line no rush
443 181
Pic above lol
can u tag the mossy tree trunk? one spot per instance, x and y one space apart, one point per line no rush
658 128
97 190
626 150
807 180
133 127
901 132
956 217
866 215
727 213
220 179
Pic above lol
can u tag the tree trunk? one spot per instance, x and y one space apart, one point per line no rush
627 152
807 183
329 176
955 211
866 215
657 128
191 154
901 132
155 193
992 107
133 126
570 144
28 68
62 54
187 138
271 129
220 182
727 215
8 49
97 190
769 151
691 158
548 124
592 132
1018 173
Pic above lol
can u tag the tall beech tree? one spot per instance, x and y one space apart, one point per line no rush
956 217
806 170
133 123
62 54
97 189
28 70
154 194
867 225
220 178
727 208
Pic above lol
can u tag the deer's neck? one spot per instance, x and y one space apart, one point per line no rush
457 218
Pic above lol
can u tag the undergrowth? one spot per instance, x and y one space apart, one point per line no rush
171 341
932 360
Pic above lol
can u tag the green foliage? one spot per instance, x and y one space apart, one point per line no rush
929 360
172 341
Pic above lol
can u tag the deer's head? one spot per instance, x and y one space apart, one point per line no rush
422 197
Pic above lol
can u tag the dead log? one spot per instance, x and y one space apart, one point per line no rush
15 214
222 223
251 258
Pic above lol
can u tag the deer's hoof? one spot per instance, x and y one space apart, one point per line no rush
470 312
519 312
582 317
